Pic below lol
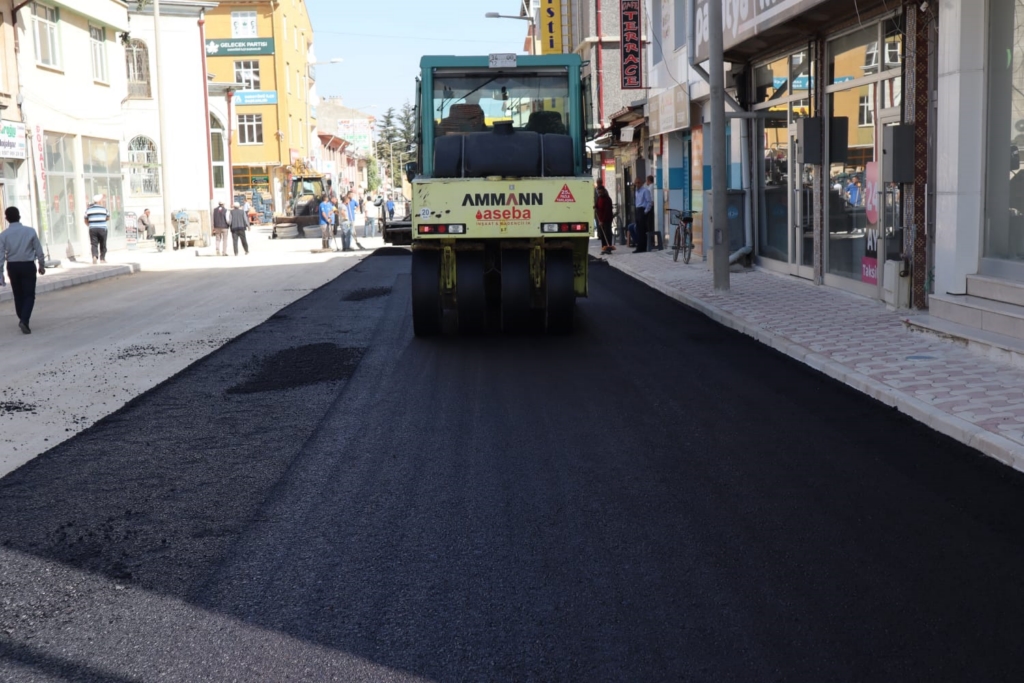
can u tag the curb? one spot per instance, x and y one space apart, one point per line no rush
989 443
68 278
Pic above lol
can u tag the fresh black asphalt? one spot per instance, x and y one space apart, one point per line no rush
654 498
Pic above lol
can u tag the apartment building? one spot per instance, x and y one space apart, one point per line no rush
72 84
264 47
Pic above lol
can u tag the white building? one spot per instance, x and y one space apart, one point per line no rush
188 127
73 80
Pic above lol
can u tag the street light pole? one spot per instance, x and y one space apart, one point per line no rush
719 199
164 149
529 19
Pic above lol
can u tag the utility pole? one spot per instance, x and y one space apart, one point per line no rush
719 198
164 148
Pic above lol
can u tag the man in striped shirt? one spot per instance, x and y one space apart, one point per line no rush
97 218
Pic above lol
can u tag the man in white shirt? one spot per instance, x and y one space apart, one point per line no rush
371 210
19 246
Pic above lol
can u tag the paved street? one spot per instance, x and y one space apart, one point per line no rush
101 343
654 498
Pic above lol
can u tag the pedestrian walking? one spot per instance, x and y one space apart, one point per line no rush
603 213
97 219
146 223
348 209
643 211
221 228
326 221
391 208
20 247
353 207
371 211
239 224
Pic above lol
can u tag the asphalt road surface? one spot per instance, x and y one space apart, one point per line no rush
655 498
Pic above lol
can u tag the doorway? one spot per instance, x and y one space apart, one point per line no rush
801 211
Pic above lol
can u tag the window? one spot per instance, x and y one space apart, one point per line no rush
250 129
295 37
247 73
217 150
144 167
44 25
534 102
98 43
287 77
871 58
866 111
284 24
136 57
243 24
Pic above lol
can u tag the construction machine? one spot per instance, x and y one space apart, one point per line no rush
302 218
502 196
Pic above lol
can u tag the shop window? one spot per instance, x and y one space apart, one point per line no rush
144 167
854 55
101 162
247 74
59 162
98 45
1004 180
250 129
136 57
852 209
771 81
44 26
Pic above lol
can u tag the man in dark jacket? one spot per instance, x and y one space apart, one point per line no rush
221 225
239 224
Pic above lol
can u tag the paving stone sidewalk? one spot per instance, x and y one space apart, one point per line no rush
974 399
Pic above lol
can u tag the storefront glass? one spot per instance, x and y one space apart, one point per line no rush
101 163
855 212
1004 224
781 89
246 178
59 162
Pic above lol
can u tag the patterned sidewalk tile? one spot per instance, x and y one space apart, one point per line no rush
975 399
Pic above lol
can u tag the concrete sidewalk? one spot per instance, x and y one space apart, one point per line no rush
71 274
977 400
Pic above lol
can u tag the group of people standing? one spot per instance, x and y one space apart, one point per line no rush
643 222
235 221
339 217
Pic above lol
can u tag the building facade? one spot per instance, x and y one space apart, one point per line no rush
264 47
72 84
189 126
15 178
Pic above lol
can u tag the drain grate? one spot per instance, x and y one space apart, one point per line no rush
301 366
366 293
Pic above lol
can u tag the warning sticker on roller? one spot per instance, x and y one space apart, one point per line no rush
565 195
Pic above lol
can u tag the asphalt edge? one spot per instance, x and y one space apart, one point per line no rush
990 444
101 273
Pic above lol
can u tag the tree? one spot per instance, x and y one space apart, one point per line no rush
387 138
407 125
372 175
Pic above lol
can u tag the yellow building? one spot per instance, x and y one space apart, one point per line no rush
264 47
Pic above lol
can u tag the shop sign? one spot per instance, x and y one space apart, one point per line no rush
229 47
551 27
869 262
743 19
670 110
12 140
244 97
632 66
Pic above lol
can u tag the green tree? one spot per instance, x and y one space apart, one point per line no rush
372 175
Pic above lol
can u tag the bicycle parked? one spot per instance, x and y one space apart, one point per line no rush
683 239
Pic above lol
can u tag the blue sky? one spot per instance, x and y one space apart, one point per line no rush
382 41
